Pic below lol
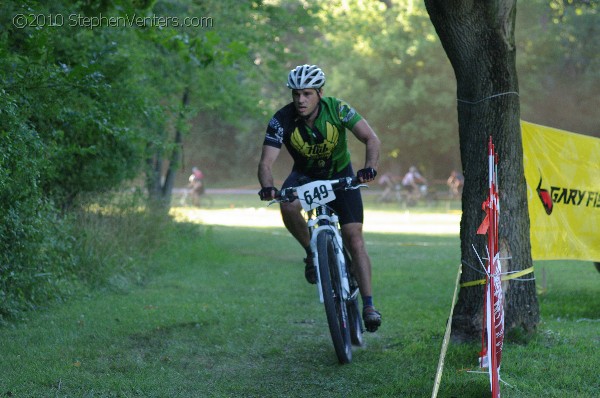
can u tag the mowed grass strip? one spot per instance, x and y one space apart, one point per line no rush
226 312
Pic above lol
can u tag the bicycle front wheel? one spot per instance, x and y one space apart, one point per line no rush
335 307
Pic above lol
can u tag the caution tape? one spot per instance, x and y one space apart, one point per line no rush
503 278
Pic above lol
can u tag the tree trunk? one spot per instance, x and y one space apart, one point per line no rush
175 155
160 192
153 174
478 37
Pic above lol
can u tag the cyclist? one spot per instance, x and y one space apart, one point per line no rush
414 183
313 129
196 185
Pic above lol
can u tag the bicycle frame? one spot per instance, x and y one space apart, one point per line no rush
321 217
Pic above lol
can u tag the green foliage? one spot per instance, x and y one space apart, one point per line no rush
386 60
558 62
29 270
388 63
235 93
60 80
382 57
34 247
115 237
66 128
209 63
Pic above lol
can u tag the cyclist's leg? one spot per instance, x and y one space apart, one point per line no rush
349 207
355 242
291 213
350 210
294 222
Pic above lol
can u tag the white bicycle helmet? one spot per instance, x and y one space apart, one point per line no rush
306 76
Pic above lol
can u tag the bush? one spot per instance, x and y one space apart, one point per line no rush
115 236
67 128
34 247
44 252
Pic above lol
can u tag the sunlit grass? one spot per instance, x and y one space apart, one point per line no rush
248 211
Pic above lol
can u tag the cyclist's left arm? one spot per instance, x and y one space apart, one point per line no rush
365 134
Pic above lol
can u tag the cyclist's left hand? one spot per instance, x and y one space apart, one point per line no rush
366 174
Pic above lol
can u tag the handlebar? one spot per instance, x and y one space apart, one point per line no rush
344 183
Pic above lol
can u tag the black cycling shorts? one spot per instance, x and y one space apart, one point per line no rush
347 204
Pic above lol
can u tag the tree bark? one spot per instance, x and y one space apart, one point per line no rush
175 155
478 37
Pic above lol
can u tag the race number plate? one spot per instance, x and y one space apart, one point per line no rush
315 194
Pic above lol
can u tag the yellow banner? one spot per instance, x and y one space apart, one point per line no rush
562 170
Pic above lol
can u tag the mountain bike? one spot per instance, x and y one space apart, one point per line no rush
336 284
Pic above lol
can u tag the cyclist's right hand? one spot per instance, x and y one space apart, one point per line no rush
367 174
267 193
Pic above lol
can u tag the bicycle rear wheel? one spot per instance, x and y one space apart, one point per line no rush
356 331
354 317
335 306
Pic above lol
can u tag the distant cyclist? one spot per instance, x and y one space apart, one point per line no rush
196 185
414 183
314 130
455 184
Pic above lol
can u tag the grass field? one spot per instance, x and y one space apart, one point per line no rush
224 311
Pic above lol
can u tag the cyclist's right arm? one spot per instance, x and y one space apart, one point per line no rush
265 173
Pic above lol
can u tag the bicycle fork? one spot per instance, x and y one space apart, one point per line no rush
339 252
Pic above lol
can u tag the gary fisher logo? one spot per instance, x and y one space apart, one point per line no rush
545 197
567 196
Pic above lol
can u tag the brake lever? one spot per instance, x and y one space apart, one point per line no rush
287 196
351 188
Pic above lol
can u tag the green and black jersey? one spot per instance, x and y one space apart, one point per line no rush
321 151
